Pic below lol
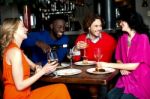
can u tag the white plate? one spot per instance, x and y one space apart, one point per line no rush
67 72
63 65
81 63
107 70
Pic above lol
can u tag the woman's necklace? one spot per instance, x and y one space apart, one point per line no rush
132 33
129 42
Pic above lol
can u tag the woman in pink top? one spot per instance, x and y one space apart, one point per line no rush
132 56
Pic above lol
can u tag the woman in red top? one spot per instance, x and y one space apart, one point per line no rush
16 67
93 38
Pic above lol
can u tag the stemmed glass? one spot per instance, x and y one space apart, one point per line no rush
51 57
97 54
84 50
69 56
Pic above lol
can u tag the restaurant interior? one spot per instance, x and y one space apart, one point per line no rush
38 12
74 11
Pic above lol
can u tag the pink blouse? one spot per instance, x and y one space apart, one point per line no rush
138 81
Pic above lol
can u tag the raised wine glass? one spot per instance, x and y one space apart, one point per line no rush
70 56
85 50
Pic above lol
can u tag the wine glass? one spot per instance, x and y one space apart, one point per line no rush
51 57
69 56
97 54
85 50
84 57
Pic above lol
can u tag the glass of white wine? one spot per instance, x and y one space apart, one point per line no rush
70 56
52 56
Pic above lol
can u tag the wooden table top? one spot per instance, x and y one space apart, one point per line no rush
82 78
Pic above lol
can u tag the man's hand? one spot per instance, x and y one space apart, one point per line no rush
81 45
45 47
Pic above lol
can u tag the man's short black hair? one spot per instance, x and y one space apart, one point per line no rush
55 17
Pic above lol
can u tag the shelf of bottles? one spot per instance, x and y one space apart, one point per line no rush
47 8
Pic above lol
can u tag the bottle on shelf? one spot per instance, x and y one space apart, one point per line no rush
26 15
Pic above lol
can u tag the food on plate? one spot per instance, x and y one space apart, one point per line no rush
97 69
85 61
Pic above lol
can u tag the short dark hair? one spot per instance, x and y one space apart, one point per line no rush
89 19
135 21
56 17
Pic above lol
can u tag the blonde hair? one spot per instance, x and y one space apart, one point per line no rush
8 28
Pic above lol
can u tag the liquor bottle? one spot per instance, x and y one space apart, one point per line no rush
26 15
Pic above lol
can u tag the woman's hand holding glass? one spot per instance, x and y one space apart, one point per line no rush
52 61
49 67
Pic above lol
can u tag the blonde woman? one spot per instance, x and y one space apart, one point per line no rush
16 67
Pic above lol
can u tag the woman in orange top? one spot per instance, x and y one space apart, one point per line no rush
16 67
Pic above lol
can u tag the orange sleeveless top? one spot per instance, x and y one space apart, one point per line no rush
10 91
